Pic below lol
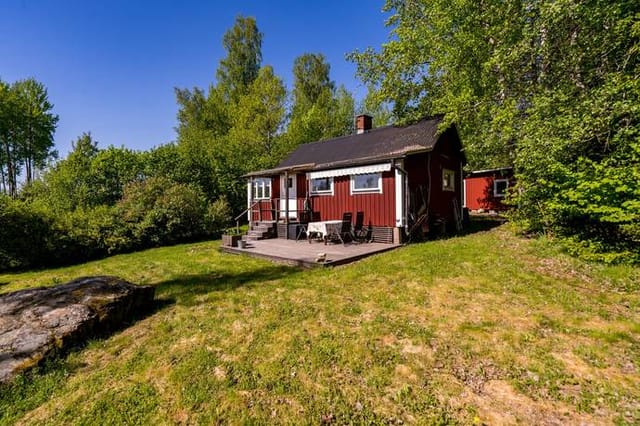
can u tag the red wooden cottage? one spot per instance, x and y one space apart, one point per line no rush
403 179
484 190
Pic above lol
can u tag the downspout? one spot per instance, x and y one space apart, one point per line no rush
250 201
405 198
286 204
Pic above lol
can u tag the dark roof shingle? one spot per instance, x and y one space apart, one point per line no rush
375 145
381 142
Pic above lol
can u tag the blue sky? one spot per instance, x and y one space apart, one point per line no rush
111 66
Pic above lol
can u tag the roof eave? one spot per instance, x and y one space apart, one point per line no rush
279 170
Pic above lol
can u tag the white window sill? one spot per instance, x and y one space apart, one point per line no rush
365 191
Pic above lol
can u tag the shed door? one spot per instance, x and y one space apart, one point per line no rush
293 191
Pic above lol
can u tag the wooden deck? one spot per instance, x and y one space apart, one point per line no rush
303 253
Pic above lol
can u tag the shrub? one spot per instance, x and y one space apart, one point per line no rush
158 211
217 217
151 213
25 235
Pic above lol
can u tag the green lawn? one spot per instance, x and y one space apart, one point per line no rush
485 328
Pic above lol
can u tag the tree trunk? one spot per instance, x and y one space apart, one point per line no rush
28 168
10 172
28 149
3 183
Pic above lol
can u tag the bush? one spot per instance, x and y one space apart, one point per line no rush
25 235
151 213
158 211
217 217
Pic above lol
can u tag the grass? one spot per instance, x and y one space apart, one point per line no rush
485 328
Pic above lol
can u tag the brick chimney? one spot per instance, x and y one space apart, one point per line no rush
364 123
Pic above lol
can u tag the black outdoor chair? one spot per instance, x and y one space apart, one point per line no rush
302 231
346 230
360 232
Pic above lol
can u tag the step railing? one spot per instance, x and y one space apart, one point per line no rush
245 211
275 211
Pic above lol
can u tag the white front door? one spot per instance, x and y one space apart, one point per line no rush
292 196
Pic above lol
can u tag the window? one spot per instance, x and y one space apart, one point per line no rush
448 180
262 189
367 183
322 186
500 187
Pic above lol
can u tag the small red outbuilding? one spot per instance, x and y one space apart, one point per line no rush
484 190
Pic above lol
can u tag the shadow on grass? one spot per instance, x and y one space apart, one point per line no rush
482 224
474 225
185 290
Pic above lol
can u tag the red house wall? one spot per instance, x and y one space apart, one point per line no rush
446 155
479 192
379 209
263 211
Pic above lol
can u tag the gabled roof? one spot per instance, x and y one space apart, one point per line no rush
383 143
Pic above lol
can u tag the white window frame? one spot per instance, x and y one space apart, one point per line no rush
260 185
495 188
355 190
322 192
445 187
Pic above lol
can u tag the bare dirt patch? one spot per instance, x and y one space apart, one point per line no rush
500 404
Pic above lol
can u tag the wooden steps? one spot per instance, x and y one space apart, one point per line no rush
261 231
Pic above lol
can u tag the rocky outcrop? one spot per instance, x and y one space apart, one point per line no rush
37 322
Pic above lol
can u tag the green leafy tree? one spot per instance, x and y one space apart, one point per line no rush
254 139
8 113
26 131
342 116
111 170
441 59
205 120
375 105
70 184
236 72
577 148
319 111
550 87
37 124
312 83
166 161
202 122
11 129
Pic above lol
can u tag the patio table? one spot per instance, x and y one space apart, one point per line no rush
326 229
